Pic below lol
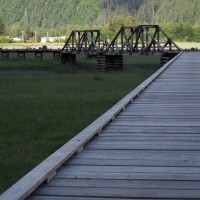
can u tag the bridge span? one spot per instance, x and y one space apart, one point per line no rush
133 40
147 146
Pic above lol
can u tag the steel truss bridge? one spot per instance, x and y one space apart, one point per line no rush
143 39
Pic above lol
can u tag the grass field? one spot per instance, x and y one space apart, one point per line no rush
39 113
188 45
30 45
183 45
83 64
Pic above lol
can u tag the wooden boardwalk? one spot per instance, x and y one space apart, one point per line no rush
150 150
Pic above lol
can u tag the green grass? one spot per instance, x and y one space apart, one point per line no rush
39 113
47 64
188 45
131 63
31 45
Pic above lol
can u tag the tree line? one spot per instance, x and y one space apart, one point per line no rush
179 18
178 31
51 14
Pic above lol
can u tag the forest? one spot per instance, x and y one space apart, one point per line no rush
179 18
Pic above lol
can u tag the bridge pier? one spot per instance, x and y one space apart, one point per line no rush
38 55
57 57
21 55
5 55
110 62
69 58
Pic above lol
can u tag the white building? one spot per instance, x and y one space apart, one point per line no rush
17 39
52 39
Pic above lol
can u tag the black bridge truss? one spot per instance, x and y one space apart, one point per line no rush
143 39
87 42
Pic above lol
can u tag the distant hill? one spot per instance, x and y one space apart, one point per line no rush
58 13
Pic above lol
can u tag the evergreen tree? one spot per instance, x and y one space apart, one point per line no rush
2 27
62 16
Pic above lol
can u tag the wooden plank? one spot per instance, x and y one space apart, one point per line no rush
163 142
140 154
131 169
157 123
130 176
129 120
149 129
157 117
163 112
172 96
142 134
74 198
118 192
164 104
149 138
177 111
172 101
140 105
161 107
138 162
107 183
169 101
147 146
193 89
81 198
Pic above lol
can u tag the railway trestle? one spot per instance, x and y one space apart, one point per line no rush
141 40
134 40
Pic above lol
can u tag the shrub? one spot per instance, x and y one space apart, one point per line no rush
4 39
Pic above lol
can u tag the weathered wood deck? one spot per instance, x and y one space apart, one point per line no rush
150 150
